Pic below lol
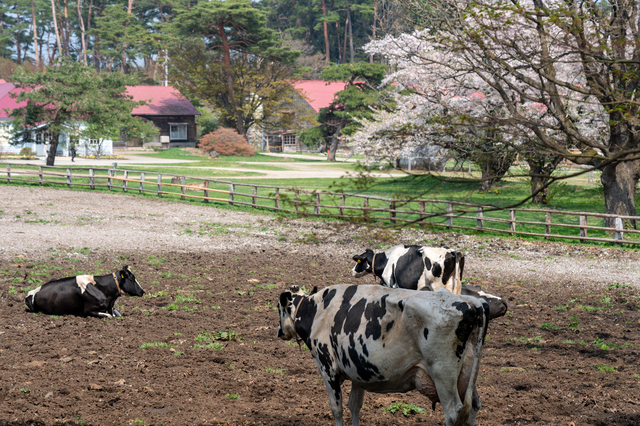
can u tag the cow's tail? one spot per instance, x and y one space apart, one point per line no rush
476 340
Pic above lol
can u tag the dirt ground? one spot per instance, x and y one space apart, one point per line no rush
567 352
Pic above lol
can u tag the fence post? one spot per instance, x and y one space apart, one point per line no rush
449 215
124 182
392 212
159 185
296 200
365 211
512 222
316 207
68 178
206 191
480 218
183 182
342 201
92 178
277 199
547 226
109 179
619 225
40 174
8 173
232 189
583 231
255 193
141 190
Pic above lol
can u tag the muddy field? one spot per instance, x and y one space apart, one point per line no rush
200 347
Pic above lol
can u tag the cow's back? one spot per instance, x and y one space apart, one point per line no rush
59 297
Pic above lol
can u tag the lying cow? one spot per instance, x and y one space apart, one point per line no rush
84 295
391 340
423 268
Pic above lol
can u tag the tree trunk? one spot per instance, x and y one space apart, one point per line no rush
494 167
619 183
53 147
82 31
18 50
55 28
35 36
335 140
538 191
375 18
338 38
350 34
327 51
227 71
66 28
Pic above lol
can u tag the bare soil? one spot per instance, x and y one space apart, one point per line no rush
567 353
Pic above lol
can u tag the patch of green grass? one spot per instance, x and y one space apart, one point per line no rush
573 322
406 409
213 345
171 307
277 371
155 345
547 326
24 390
561 308
156 260
232 396
161 293
12 290
604 368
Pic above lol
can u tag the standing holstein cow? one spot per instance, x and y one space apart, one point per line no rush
391 340
84 295
413 267
423 268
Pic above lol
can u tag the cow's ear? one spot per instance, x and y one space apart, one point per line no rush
294 288
285 298
368 251
314 291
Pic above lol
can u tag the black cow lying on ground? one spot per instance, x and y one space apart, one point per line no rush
423 268
84 295
391 340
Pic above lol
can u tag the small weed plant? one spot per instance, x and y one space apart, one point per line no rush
406 409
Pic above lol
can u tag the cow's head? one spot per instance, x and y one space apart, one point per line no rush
287 309
128 282
363 263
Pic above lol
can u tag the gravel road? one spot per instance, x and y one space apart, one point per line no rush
35 221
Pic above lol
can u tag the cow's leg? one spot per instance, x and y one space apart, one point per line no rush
335 398
447 389
95 303
355 403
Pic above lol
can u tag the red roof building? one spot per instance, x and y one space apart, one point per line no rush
319 93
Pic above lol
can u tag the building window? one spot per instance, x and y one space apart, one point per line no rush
42 136
94 141
289 139
178 131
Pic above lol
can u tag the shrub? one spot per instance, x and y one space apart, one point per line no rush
226 141
26 151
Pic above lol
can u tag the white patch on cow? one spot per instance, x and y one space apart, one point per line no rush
83 281
104 314
34 292
488 295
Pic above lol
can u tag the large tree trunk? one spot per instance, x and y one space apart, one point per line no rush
350 34
82 31
335 140
53 147
494 166
55 28
327 51
227 71
338 38
375 18
35 35
540 170
619 183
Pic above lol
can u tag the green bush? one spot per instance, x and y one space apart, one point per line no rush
26 152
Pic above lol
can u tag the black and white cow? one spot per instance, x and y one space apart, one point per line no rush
423 268
84 295
414 267
391 340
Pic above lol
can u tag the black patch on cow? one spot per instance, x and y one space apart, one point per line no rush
341 314
426 333
460 263
327 296
449 266
366 370
390 325
465 326
409 268
364 346
373 314
307 314
427 263
354 316
285 297
401 305
324 356
393 282
380 264
437 270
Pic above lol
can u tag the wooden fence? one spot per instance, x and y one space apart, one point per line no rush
367 208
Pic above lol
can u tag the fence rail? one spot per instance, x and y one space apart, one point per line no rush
368 208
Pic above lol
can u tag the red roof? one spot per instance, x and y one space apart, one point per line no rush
163 100
6 101
319 93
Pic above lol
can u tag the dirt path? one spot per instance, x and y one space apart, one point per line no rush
566 353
